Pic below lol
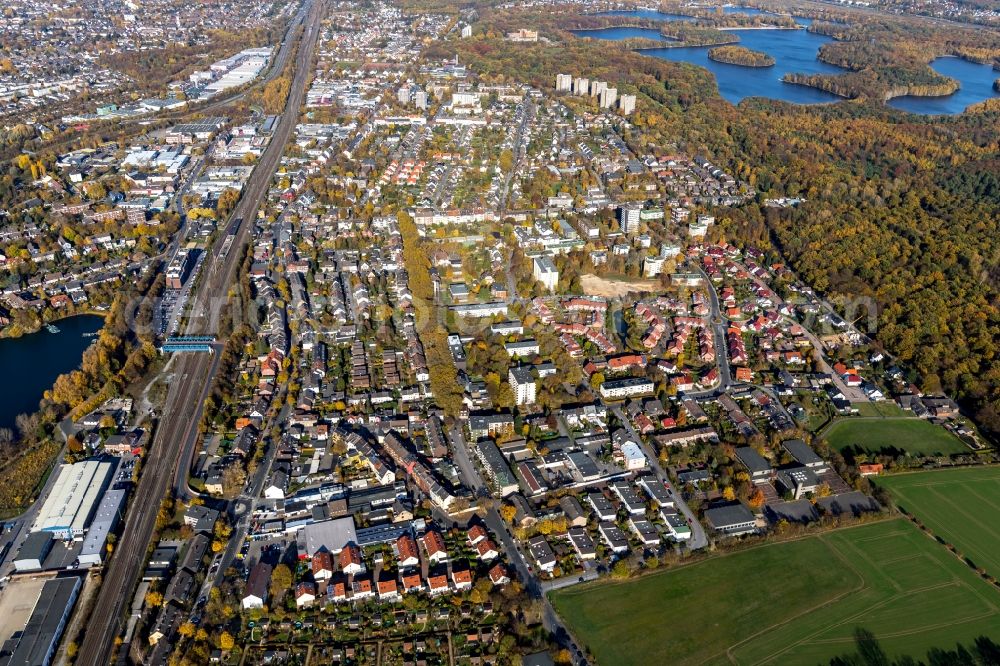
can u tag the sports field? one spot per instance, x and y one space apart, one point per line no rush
958 505
797 602
910 434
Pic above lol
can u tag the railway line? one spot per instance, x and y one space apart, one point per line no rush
192 374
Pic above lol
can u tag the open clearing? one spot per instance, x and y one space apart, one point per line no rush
598 286
958 505
913 435
797 602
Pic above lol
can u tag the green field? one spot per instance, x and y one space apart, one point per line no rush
879 409
797 602
915 436
958 505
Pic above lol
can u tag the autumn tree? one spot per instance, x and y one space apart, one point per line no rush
506 160
596 380
508 512
281 580
275 94
227 201
226 641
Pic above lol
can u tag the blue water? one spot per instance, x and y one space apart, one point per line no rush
794 51
618 34
977 85
32 363
662 16
646 14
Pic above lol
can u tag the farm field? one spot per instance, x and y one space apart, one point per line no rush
797 602
910 434
958 505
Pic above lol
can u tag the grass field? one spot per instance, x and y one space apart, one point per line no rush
879 409
909 434
796 602
958 505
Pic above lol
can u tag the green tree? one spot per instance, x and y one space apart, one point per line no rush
621 569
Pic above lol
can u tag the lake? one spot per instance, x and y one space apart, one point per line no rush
977 85
662 16
32 363
794 51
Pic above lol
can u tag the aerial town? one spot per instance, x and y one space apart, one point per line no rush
408 353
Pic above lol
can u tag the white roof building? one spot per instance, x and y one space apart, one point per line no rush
332 535
108 514
633 455
544 270
74 497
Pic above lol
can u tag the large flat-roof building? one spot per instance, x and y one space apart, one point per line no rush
757 465
33 552
36 644
733 519
109 512
331 535
522 383
74 497
804 455
626 387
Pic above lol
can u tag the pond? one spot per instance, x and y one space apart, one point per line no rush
32 363
794 51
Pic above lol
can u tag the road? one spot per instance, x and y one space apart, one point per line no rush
852 393
173 442
535 588
698 537
242 507
569 581
519 147
718 324
470 475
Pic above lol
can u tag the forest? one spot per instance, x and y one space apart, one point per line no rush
885 56
890 57
899 208
740 55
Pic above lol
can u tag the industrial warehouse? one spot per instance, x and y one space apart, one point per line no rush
36 644
80 512
74 497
